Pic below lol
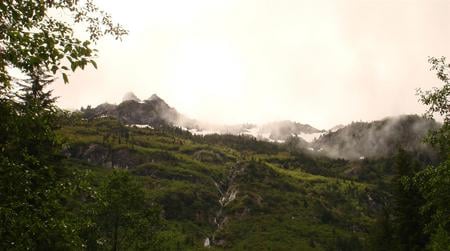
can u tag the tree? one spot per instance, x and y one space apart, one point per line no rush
407 220
31 38
438 102
421 212
124 220
381 233
399 225
434 181
36 46
30 209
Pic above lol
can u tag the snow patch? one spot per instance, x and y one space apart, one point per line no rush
141 126
310 137
199 131
254 131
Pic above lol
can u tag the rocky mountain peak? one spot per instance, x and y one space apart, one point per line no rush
130 96
155 97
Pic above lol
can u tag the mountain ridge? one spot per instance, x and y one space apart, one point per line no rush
154 111
356 140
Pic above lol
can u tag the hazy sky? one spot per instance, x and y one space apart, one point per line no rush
232 61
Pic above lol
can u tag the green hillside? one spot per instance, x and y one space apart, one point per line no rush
240 198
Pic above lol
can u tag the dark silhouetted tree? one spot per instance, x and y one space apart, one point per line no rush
434 181
37 46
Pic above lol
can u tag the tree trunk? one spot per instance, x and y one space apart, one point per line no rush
115 238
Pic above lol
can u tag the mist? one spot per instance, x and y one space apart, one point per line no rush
360 140
229 62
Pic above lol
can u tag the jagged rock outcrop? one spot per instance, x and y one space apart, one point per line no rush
152 111
130 96
104 155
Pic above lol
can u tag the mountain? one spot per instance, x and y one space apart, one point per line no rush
278 131
376 139
130 96
155 111
219 187
282 130
336 127
229 192
152 111
357 140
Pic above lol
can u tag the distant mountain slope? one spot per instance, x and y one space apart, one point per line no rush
151 111
228 192
357 140
155 111
376 139
280 131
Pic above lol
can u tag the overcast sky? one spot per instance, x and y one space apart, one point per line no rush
317 62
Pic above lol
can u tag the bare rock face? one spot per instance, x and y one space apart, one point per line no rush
154 97
99 154
130 96
153 111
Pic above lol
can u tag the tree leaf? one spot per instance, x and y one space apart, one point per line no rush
66 79
54 69
94 64
74 65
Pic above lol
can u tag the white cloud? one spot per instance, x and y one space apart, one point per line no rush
319 62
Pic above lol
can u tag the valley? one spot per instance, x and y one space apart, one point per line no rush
235 191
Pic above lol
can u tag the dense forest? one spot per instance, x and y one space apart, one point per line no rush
74 181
